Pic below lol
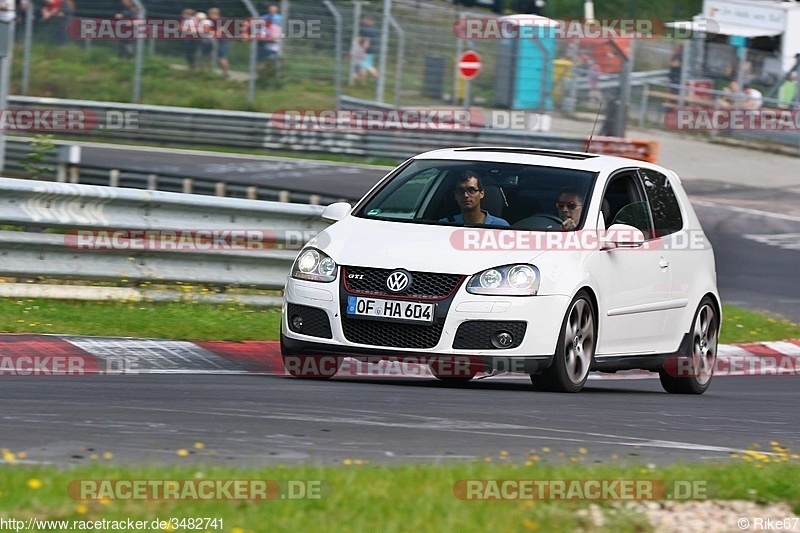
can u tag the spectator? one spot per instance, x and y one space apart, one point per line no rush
223 45
732 96
271 40
753 98
369 34
189 26
129 12
50 9
595 96
49 17
205 30
21 14
675 69
273 15
788 91
357 53
62 19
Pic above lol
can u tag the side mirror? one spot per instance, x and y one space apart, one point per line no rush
336 212
622 236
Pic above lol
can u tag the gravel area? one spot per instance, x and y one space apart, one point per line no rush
707 516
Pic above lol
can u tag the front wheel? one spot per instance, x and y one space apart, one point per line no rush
693 369
456 371
575 350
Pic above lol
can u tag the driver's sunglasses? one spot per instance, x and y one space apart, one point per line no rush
569 205
469 190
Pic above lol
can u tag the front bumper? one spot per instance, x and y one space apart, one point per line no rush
542 317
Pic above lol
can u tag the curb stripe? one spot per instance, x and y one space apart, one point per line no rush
20 353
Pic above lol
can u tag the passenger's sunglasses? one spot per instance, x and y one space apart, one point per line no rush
469 190
569 205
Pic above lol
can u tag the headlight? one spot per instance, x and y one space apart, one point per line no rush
509 280
314 265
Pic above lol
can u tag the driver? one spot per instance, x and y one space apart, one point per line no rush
469 193
570 207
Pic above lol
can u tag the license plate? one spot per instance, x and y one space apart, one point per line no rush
390 309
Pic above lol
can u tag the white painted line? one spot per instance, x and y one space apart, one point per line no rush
731 350
786 348
745 210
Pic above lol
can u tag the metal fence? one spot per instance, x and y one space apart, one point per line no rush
655 105
415 58
53 212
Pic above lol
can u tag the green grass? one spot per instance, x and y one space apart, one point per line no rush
176 320
98 74
740 325
376 498
237 322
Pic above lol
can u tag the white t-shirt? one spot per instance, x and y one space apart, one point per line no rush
754 98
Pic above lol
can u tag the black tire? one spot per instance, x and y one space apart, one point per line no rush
574 355
702 348
444 371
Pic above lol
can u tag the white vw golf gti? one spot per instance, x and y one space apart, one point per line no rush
545 262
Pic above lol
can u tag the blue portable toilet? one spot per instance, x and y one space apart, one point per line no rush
524 75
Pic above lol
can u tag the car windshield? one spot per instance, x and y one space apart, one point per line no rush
446 192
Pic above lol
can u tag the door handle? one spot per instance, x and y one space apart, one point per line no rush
663 263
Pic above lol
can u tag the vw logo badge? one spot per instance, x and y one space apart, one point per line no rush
398 281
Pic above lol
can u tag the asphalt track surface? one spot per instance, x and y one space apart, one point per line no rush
300 175
260 419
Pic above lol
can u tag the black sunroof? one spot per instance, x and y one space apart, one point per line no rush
532 151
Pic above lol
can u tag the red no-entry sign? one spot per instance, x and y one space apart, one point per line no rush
469 64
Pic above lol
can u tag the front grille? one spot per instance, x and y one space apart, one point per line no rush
424 285
315 321
477 334
396 335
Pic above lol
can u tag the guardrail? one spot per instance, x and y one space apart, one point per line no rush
39 206
198 127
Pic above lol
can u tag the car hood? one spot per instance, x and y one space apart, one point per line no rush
420 247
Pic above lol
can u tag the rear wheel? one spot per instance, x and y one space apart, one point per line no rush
695 377
575 350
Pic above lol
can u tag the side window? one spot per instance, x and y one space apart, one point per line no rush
624 203
664 205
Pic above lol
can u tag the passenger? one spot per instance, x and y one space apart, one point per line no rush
469 193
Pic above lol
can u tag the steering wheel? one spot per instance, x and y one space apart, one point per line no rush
539 221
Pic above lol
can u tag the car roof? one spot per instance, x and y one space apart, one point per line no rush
537 156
